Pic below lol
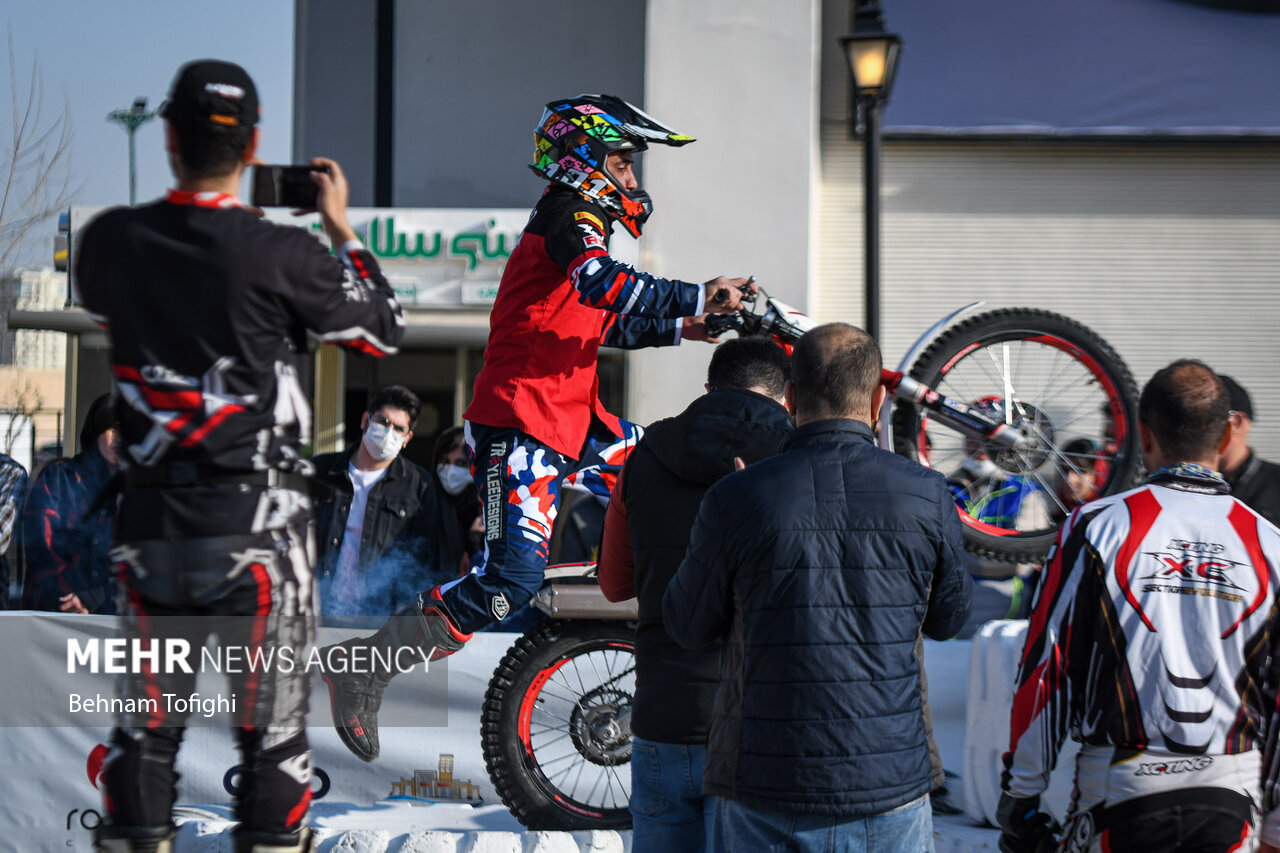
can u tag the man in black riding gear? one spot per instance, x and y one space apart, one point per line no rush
209 308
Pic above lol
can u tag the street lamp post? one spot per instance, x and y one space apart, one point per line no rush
132 119
873 59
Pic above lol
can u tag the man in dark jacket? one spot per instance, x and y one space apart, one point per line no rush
1254 481
385 530
646 535
820 568
64 544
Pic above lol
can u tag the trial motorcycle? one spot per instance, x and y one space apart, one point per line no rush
1015 407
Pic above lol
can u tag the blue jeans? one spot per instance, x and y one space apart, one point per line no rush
738 828
668 812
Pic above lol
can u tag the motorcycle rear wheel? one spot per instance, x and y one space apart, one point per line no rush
1058 380
555 725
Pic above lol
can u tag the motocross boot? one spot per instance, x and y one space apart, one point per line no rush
108 838
354 697
301 841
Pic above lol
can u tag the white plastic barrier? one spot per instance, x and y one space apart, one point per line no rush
993 667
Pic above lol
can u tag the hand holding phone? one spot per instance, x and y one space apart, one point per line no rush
286 186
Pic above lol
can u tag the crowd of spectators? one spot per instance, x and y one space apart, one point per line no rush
385 526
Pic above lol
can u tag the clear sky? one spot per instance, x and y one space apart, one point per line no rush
98 55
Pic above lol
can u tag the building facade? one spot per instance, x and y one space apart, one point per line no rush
1129 201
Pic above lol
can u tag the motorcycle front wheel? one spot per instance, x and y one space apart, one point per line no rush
555 726
1068 391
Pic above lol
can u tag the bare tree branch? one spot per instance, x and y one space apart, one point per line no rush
35 166
27 401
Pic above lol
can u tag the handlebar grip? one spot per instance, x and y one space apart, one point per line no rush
722 296
717 324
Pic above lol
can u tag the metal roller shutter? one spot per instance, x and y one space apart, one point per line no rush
1167 251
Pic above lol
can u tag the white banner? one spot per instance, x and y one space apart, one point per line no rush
49 796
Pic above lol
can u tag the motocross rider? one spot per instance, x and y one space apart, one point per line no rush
536 419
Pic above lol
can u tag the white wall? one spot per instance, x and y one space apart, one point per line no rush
741 76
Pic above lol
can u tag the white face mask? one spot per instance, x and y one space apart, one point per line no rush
454 478
382 442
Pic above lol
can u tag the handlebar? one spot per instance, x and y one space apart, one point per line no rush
722 296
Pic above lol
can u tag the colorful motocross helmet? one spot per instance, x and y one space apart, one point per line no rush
574 137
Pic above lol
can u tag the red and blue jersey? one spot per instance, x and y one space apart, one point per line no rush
562 297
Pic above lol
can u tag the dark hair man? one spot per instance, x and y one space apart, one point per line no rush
66 529
535 418
1153 641
646 534
1253 480
386 529
208 308
819 569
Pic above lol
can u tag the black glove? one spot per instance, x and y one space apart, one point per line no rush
1023 827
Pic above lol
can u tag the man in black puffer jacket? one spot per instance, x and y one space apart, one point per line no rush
646 535
820 568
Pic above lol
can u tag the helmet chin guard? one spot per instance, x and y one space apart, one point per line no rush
574 137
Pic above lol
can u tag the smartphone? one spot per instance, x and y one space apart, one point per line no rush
285 186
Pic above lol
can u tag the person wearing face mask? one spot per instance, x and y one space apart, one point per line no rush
380 531
453 473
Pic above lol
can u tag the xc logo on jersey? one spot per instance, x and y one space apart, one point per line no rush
1171 566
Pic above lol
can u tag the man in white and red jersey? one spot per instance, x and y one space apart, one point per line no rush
536 419
209 307
1153 641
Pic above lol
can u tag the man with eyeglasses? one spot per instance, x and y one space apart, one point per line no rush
1255 481
383 533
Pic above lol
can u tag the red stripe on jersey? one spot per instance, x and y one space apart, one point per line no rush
1028 702
172 399
1144 508
615 290
257 635
358 263
127 373
1244 836
362 347
572 272
179 423
210 425
1051 586
213 200
1246 525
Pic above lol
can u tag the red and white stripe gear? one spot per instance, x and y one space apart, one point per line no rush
209 307
1153 640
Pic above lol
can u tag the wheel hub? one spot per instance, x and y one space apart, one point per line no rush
595 727
1033 449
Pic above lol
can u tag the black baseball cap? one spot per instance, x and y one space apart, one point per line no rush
1240 401
212 91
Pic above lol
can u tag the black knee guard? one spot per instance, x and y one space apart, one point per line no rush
138 778
275 786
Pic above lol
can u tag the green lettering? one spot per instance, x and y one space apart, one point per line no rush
471 253
383 248
418 250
